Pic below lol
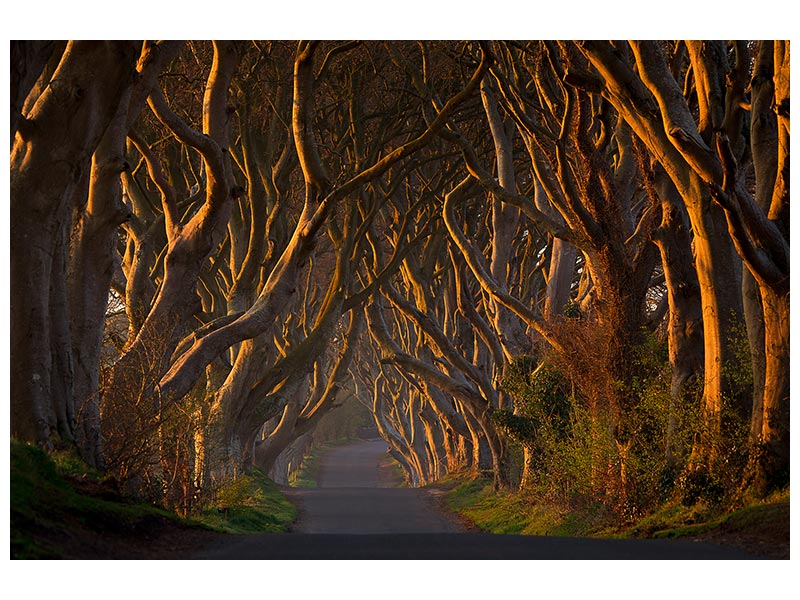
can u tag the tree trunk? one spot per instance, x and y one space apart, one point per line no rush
504 225
652 103
62 374
267 451
559 279
93 255
28 60
720 293
772 450
754 321
91 266
685 321
769 331
49 157
563 254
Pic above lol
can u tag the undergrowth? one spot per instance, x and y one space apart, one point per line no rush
49 501
56 499
252 503
517 513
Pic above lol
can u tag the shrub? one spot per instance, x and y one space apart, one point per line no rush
250 503
591 452
541 402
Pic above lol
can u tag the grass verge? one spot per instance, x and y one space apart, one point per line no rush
509 512
252 503
50 509
61 509
761 528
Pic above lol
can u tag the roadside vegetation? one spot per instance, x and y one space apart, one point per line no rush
251 503
559 265
557 436
60 508
760 527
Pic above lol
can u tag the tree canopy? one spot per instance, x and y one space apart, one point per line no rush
561 264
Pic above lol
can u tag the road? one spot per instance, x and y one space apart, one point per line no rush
359 494
358 512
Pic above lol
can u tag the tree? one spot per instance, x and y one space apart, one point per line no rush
705 159
51 164
432 225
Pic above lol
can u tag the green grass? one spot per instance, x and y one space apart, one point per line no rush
250 504
56 501
674 520
500 512
513 513
45 507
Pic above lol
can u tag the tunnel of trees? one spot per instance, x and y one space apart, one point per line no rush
561 265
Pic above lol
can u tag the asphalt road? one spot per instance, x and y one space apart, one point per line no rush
359 494
358 512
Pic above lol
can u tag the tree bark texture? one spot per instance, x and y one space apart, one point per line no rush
48 161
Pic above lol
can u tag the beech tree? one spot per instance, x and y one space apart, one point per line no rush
707 159
51 168
238 283
426 225
581 190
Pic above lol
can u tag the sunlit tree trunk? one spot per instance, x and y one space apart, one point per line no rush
676 144
28 60
51 154
505 218
769 432
93 251
92 261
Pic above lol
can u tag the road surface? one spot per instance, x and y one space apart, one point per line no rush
357 493
358 512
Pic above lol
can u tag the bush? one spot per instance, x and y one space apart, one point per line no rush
541 402
592 452
250 503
